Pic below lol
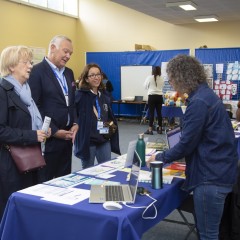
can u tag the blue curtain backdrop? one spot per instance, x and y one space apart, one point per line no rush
220 55
111 62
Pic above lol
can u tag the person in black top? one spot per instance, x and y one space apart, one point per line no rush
20 119
108 85
94 110
53 89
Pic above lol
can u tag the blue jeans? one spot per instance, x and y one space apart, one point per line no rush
101 151
208 205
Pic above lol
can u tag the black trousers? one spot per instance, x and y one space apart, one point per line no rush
155 103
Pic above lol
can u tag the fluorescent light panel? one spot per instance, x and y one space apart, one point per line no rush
211 18
187 6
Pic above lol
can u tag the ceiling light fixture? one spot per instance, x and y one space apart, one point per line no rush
211 18
187 6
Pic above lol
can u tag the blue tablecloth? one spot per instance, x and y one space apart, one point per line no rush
29 218
171 112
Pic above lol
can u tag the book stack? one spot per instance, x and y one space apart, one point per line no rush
159 146
173 170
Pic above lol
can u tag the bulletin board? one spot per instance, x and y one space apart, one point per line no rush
226 72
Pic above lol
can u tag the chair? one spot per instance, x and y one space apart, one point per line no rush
186 206
144 114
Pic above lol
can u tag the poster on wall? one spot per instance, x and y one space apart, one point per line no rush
38 54
223 89
209 72
227 85
233 71
166 86
233 75
164 70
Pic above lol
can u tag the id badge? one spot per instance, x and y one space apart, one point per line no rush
104 130
66 98
99 125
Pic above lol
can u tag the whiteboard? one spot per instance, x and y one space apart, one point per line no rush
132 80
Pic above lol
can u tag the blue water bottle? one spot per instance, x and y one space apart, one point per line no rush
157 179
140 148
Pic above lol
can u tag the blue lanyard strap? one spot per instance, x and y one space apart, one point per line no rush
62 82
98 109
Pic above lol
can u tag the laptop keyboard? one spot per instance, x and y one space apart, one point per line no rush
114 193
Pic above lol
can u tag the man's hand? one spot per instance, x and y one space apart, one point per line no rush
63 134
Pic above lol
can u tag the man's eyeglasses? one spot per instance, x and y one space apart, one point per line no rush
92 76
27 62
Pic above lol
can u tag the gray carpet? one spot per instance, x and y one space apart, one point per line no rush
128 131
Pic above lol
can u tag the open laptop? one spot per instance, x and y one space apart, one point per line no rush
130 152
173 136
118 193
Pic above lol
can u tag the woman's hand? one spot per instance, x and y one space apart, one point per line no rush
74 130
151 159
41 136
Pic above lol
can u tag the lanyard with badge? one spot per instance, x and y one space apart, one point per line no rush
100 126
63 84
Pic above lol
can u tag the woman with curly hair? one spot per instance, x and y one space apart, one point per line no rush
207 143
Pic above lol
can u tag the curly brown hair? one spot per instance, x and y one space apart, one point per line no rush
83 84
186 73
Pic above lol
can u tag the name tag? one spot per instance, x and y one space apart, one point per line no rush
104 130
99 125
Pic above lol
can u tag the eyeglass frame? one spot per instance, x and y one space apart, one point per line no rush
92 76
27 62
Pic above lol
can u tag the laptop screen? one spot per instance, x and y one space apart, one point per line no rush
173 136
135 171
130 152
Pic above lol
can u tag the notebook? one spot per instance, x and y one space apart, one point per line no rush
118 193
158 146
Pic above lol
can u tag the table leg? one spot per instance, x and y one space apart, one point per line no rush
118 111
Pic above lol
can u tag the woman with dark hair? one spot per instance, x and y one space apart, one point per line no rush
94 110
207 143
154 85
